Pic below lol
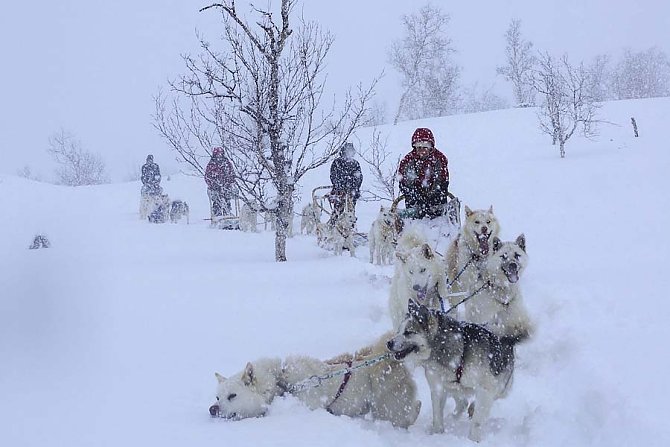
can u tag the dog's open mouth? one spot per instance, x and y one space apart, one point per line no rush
421 292
399 355
483 240
511 272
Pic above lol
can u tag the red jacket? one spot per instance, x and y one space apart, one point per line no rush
423 175
219 174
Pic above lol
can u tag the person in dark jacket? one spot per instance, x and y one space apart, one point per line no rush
424 176
151 177
220 178
346 178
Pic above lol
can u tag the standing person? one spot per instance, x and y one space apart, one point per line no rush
220 177
151 177
424 176
346 177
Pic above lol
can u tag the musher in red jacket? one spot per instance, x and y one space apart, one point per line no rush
220 178
424 177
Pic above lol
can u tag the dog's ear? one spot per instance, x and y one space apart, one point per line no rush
219 377
248 374
427 251
468 211
491 209
419 312
496 243
521 241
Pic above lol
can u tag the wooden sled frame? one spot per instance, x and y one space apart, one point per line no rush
318 200
230 221
452 199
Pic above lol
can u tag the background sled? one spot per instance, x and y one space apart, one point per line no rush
229 221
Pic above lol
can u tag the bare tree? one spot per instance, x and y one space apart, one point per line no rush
382 166
260 97
473 99
422 57
27 173
600 87
520 65
77 166
645 74
567 104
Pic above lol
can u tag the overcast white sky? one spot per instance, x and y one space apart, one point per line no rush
93 66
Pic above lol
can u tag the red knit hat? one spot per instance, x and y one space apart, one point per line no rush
423 134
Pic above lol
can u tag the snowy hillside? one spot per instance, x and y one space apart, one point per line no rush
111 337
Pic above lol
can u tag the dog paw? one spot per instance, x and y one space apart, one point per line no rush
437 430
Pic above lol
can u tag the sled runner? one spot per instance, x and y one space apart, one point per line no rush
228 221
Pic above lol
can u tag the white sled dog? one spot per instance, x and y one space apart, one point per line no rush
178 210
499 305
385 390
419 274
382 237
339 235
460 359
248 219
310 218
148 203
468 252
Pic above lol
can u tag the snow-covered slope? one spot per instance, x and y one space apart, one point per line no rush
111 337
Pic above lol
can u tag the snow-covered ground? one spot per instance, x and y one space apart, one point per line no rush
111 337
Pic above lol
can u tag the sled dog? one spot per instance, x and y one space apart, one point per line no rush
338 235
310 217
419 274
179 209
148 203
498 305
161 210
382 237
458 358
468 252
248 219
385 390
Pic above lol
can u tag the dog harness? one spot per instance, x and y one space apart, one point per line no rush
343 385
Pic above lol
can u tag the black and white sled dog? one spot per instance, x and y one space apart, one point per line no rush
460 359
178 210
499 305
161 211
385 390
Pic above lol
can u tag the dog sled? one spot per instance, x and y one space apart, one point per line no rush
324 202
441 228
230 221
451 210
